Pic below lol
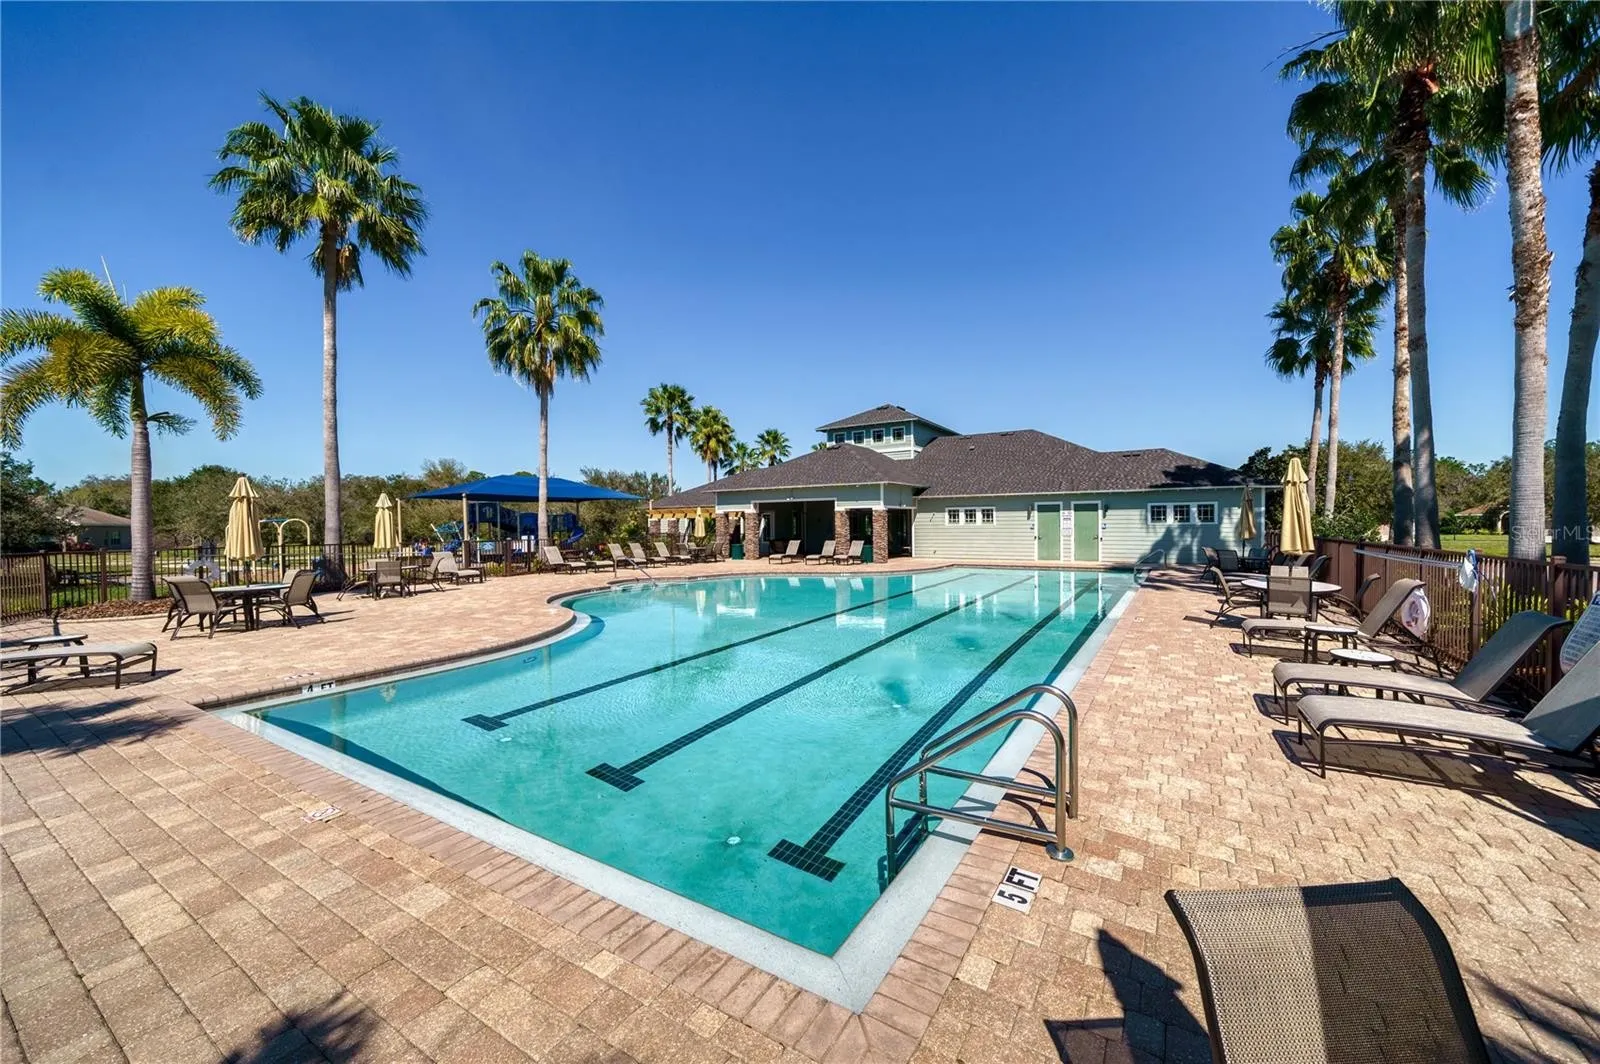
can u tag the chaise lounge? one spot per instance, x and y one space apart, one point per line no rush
121 656
1477 680
1565 721
791 553
823 556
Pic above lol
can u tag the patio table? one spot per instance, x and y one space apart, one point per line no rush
1318 587
247 595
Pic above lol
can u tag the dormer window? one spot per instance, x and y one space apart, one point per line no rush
877 435
859 436
899 432
838 437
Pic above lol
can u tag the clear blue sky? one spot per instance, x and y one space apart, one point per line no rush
1001 217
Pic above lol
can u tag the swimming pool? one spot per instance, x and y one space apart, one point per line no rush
725 740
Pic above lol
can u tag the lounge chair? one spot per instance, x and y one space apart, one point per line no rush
192 600
1230 597
554 561
853 557
1374 629
1477 680
618 558
121 656
1565 721
450 569
823 556
791 553
640 558
1286 607
296 596
666 557
38 642
1326 975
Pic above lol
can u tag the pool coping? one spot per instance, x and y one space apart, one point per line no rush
853 974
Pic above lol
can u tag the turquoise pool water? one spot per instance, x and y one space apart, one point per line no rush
729 739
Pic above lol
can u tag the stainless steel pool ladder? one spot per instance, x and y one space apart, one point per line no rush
1001 715
641 569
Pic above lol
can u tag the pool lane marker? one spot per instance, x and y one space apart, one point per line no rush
490 723
813 856
626 777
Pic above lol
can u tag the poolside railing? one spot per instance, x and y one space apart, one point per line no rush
1463 618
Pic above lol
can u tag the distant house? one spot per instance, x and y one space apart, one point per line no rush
908 485
96 528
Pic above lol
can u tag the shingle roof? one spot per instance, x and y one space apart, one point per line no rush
1024 461
86 516
886 414
689 499
842 463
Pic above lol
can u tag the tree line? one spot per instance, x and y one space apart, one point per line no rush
670 411
1400 92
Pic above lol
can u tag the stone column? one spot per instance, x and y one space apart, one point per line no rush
752 535
653 526
841 532
720 529
880 535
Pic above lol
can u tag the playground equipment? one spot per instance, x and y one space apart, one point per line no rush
492 521
280 523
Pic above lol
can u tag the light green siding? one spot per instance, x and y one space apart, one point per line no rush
1126 533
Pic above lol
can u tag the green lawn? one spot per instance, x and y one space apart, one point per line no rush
1482 542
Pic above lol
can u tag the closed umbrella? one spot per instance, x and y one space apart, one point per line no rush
243 540
384 534
1247 516
1296 538
699 524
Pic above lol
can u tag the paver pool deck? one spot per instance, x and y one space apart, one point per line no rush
164 898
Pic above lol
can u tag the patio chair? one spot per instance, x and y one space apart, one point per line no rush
618 558
639 557
429 573
1286 607
1211 559
1230 597
296 596
1228 561
791 553
1565 721
666 557
1329 974
554 561
388 577
1319 563
853 557
192 600
120 655
1375 630
1479 678
450 569
823 556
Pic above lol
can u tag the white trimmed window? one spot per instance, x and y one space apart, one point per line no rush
838 437
859 436
969 515
952 516
877 435
986 515
899 432
1205 513
1157 513
1182 513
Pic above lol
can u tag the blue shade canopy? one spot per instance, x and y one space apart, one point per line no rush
525 489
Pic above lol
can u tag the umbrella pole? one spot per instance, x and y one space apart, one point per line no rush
466 558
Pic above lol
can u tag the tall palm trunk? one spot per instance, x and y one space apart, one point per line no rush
671 446
142 533
1530 269
711 469
1572 424
1404 503
544 467
1336 374
1320 380
1425 497
332 508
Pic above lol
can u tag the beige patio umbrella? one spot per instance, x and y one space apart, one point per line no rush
384 534
699 524
1296 538
1247 515
243 540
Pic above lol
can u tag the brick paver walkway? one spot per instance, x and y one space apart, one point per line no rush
164 898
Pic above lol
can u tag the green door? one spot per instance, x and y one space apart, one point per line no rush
1085 532
1048 520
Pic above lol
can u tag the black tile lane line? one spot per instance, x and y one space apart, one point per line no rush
498 720
626 777
813 856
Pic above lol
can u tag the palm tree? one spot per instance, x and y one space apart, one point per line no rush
1530 268
541 325
669 409
1571 120
1304 343
1328 253
1405 65
711 437
326 176
773 446
104 357
742 457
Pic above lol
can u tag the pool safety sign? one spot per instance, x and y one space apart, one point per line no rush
1017 888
